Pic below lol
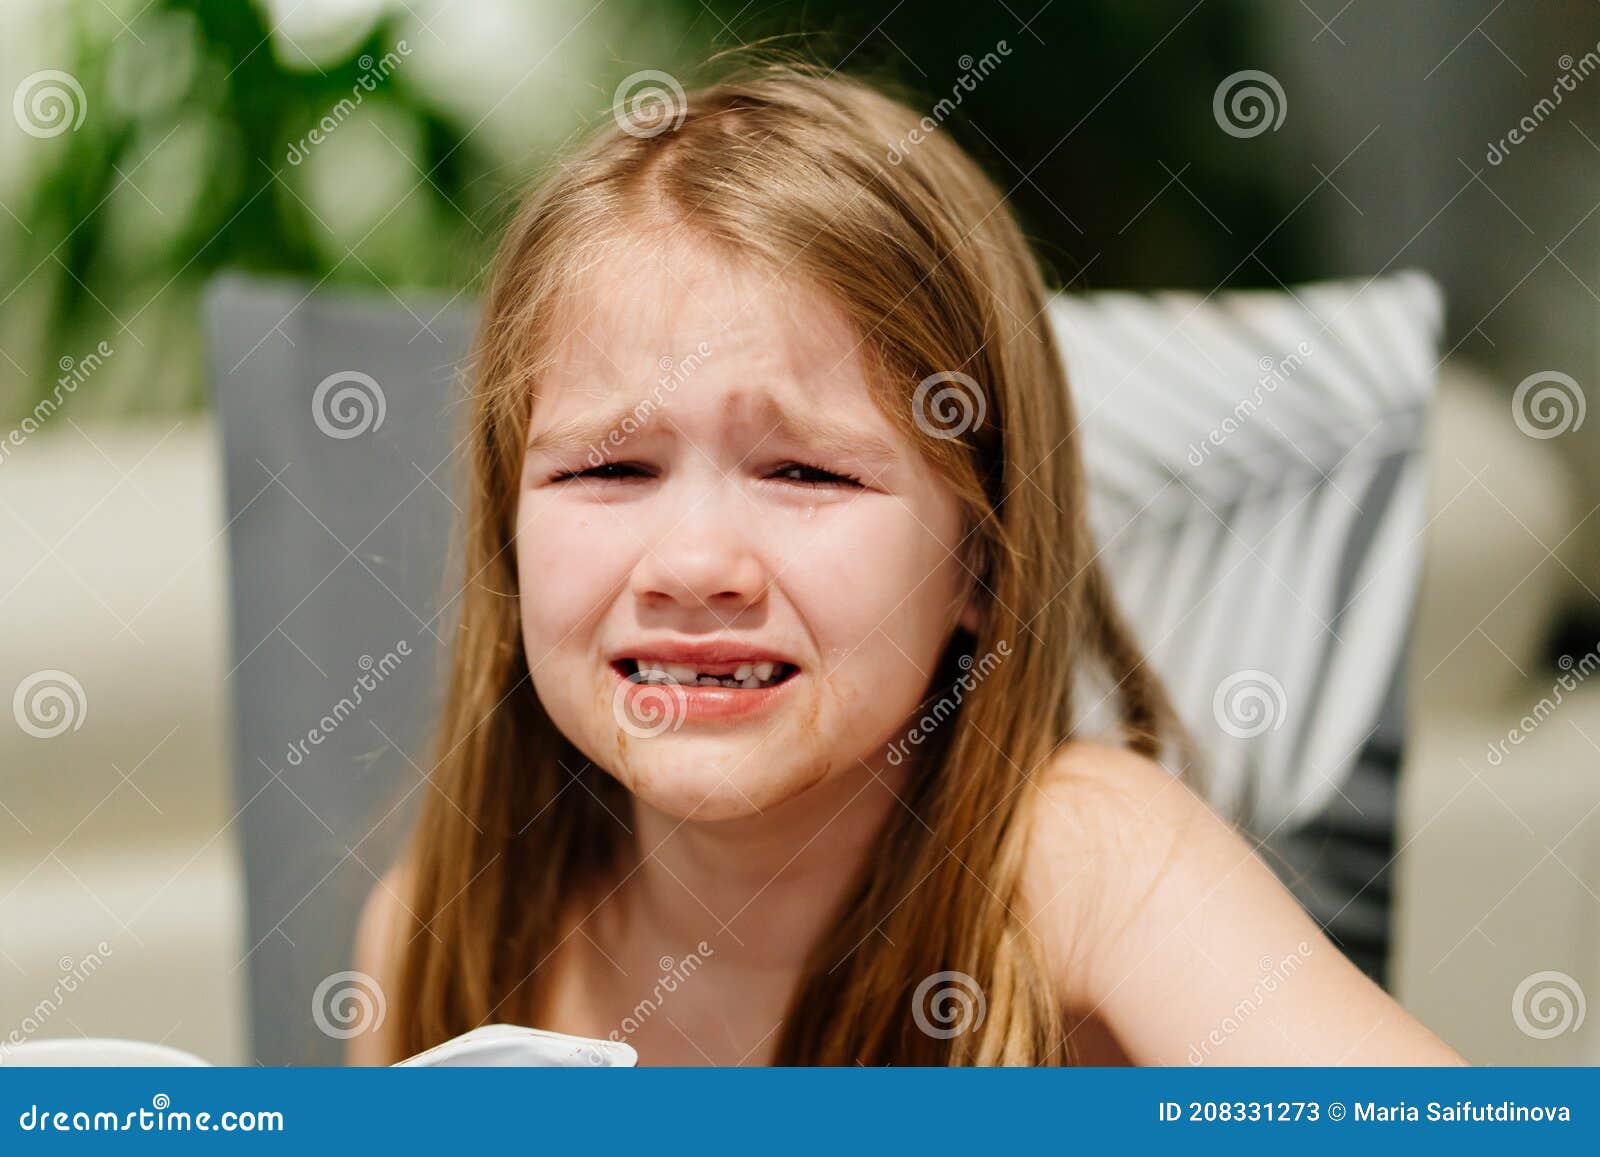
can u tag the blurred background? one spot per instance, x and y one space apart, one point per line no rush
376 146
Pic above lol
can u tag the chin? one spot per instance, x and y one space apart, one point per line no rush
707 783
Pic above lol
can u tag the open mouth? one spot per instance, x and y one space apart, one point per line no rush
746 676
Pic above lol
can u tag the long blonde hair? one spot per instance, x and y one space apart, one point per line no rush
797 171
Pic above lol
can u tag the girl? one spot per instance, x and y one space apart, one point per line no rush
764 736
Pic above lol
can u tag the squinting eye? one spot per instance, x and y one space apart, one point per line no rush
605 472
814 476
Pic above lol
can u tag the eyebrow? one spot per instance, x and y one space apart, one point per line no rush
595 430
581 432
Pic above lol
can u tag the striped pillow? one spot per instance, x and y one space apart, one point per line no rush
1257 487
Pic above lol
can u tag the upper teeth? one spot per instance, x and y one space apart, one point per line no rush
748 675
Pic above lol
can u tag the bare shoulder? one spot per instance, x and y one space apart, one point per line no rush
1104 823
1162 921
380 942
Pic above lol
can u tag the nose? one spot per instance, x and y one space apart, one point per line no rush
705 558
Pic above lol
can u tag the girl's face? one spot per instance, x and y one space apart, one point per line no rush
709 491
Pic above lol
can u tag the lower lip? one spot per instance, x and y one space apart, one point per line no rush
694 702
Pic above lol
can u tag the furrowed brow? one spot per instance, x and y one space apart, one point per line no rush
834 437
581 432
589 431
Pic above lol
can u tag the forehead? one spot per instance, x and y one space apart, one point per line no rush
727 339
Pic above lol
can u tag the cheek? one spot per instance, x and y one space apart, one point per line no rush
569 563
566 560
876 585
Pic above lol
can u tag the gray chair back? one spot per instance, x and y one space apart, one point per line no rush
337 417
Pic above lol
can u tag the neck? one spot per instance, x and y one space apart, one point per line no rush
761 889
